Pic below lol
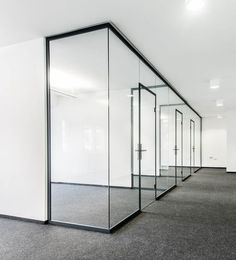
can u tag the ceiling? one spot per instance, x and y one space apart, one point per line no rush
188 48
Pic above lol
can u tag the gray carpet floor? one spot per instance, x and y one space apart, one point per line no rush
195 221
88 205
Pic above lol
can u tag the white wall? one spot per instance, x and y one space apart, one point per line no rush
231 141
22 132
214 142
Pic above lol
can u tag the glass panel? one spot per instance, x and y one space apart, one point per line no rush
79 129
135 139
147 146
192 145
124 76
195 125
186 140
179 143
197 142
174 103
149 158
166 174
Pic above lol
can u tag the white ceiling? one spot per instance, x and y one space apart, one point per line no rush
188 48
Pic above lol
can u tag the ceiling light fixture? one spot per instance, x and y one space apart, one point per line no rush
214 84
219 117
220 103
194 5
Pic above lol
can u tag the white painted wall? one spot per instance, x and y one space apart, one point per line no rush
214 141
231 141
22 132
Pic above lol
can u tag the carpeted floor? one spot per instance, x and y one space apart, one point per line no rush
195 221
88 205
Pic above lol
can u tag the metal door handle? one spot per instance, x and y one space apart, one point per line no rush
140 150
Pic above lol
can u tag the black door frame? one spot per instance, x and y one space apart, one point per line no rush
192 146
176 148
140 151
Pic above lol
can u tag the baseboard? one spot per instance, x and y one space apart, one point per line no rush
165 192
197 170
184 179
231 172
23 219
172 166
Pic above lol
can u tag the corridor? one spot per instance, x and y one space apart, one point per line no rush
195 221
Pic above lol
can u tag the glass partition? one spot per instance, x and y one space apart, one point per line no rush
119 136
178 150
124 130
187 155
79 129
195 130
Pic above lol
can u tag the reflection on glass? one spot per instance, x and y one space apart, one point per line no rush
124 75
147 146
79 129
114 146
179 143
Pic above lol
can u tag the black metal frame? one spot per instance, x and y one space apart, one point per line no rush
192 145
110 27
200 144
140 88
176 145
165 191
127 42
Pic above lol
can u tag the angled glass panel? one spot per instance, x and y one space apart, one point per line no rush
123 107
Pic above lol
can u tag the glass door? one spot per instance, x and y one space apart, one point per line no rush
178 149
146 147
192 146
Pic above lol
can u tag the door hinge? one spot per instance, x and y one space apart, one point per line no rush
154 109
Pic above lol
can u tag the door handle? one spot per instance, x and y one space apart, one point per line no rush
140 151
176 150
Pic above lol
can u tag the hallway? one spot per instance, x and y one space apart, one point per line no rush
195 221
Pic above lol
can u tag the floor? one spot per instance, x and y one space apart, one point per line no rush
88 205
194 221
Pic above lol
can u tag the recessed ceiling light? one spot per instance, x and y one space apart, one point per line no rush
194 5
219 116
220 103
214 84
